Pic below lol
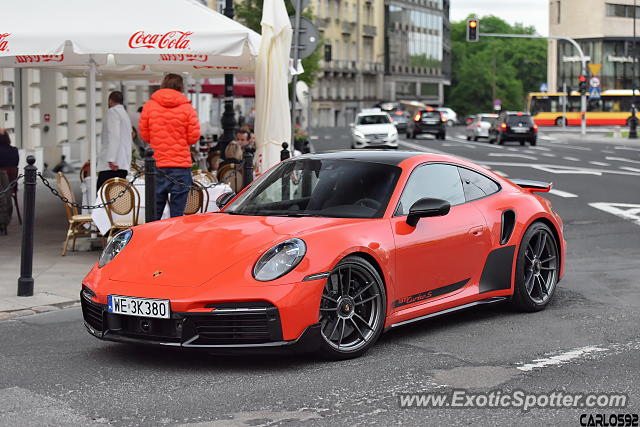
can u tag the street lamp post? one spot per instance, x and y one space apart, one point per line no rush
633 123
228 120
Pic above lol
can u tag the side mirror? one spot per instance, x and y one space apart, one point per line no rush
224 198
425 208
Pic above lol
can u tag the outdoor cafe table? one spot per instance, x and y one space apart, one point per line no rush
101 219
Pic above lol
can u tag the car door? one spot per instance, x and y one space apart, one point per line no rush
440 255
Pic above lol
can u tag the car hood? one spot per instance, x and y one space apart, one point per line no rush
379 128
190 250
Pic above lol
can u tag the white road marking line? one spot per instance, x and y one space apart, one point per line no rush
571 159
622 159
560 193
537 147
548 154
529 151
500 173
512 149
521 156
629 168
428 149
626 148
565 171
327 137
607 151
561 358
573 147
600 163
623 210
314 137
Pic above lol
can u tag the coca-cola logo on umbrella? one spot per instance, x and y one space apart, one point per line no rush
173 57
168 40
4 44
27 59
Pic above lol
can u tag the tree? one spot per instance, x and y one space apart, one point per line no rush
249 12
503 68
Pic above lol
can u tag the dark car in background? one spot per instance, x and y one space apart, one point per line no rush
427 121
400 118
513 126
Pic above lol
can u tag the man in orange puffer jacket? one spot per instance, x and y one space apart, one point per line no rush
170 125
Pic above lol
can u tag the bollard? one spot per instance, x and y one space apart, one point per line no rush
247 166
25 282
150 213
285 153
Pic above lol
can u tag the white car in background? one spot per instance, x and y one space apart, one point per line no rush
479 127
449 115
372 129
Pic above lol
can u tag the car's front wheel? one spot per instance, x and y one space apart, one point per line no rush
537 269
352 309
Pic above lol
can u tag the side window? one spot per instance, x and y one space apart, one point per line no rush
435 181
476 185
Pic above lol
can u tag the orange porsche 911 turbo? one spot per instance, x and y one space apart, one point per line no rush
325 252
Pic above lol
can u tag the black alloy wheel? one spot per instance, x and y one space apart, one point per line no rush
537 269
352 309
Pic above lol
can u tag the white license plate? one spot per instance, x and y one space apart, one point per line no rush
430 122
144 307
520 130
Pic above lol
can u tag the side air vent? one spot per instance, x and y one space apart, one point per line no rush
508 223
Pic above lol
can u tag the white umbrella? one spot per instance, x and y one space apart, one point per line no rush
142 36
273 120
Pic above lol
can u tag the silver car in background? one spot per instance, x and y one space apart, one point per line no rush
479 127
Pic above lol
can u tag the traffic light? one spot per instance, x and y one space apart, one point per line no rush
473 32
582 85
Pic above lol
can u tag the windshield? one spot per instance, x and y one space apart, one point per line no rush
523 120
324 188
373 120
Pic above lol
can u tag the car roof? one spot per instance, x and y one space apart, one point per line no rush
517 113
389 157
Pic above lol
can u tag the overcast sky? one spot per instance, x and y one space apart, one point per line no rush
527 12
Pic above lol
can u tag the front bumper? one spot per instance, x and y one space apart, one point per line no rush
429 128
226 326
373 142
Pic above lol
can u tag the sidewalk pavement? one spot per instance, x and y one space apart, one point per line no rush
57 278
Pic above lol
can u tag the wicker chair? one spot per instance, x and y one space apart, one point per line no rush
231 174
204 177
197 200
77 223
128 203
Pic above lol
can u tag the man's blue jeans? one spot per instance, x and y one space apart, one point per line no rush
177 194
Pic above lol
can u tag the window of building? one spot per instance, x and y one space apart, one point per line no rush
622 10
558 10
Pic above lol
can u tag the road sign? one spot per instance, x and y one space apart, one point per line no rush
544 87
308 39
594 82
594 93
595 68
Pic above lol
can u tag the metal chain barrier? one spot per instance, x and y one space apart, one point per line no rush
56 193
11 185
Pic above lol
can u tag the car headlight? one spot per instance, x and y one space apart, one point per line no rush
279 260
393 132
358 134
115 245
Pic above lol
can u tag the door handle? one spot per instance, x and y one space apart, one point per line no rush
477 231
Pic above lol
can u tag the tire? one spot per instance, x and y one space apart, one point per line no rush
441 136
475 138
339 309
408 135
522 142
353 147
533 142
499 140
536 273
468 138
450 123
559 121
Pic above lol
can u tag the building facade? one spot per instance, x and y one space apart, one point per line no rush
381 50
352 71
45 112
604 29
418 50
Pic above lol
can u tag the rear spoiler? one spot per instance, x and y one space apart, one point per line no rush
533 186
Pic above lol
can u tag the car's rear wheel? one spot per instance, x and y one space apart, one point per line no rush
352 309
537 269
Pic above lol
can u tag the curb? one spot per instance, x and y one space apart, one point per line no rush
12 314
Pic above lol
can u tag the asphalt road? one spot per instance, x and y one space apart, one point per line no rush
53 373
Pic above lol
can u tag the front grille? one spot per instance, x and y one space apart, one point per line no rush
245 325
91 312
377 136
